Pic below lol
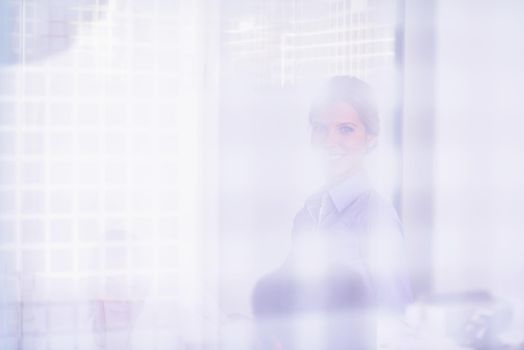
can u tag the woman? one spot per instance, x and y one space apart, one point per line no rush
347 256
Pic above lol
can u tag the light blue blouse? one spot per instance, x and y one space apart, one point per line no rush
359 230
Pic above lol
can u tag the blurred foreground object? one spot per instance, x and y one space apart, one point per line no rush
35 30
330 311
474 320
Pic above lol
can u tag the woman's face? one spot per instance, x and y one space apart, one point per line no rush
341 137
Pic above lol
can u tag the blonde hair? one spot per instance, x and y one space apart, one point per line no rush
354 92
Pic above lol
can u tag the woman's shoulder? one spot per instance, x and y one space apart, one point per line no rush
377 211
380 204
303 216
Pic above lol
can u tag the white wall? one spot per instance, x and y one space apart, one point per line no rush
479 165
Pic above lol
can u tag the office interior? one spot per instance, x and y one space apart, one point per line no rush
153 155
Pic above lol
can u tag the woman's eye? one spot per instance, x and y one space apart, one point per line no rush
345 129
